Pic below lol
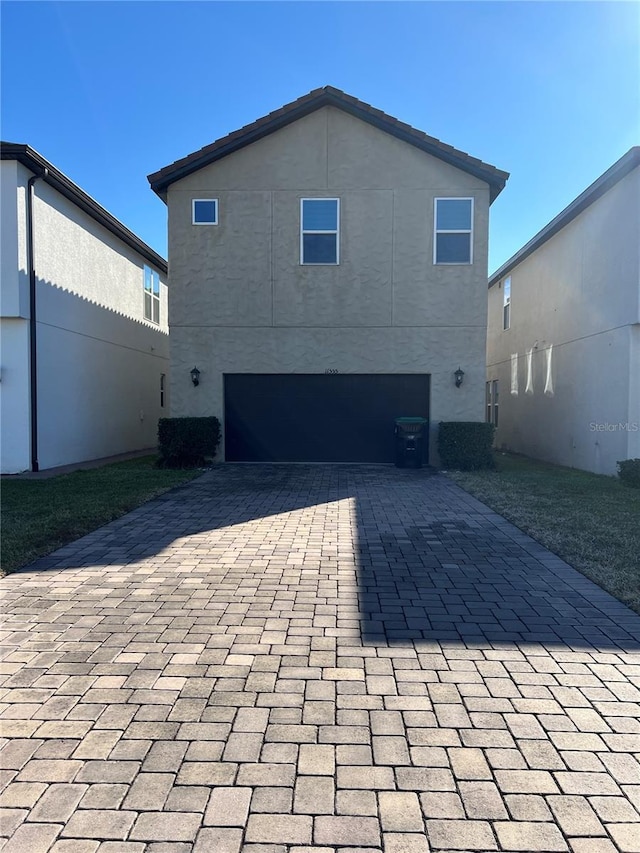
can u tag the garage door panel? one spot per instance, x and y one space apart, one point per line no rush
318 417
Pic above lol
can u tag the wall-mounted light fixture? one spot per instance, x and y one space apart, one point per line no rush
458 376
195 376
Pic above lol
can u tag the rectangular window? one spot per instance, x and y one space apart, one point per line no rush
496 402
204 211
453 231
319 230
492 402
162 390
151 295
506 303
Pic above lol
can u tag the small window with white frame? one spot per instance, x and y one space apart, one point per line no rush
204 211
506 303
151 295
320 231
453 231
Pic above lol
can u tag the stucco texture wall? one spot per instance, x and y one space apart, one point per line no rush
14 395
574 301
99 360
241 302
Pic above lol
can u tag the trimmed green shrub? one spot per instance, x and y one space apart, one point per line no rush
629 472
187 442
465 445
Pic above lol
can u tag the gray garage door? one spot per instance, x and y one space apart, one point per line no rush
293 417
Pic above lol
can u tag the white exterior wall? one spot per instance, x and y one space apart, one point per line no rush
14 395
99 361
578 293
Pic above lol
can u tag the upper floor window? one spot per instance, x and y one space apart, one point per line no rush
319 231
453 237
204 211
151 295
506 303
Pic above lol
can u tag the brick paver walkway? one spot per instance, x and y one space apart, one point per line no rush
278 659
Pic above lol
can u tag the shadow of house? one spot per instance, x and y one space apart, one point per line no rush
98 378
403 557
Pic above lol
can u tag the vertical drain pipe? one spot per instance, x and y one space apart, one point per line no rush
33 341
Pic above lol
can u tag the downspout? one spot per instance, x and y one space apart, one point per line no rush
33 341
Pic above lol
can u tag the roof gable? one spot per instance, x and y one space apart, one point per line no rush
315 100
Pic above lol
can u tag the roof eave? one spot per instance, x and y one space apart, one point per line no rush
37 164
627 163
162 179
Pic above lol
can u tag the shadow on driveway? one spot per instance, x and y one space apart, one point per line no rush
431 563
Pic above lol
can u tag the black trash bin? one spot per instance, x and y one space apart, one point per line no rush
410 435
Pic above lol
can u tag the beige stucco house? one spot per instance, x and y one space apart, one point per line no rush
563 344
327 274
84 336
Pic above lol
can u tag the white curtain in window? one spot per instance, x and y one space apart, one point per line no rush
514 373
529 386
548 382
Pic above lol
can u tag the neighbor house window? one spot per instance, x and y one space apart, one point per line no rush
496 402
319 230
453 237
204 211
162 380
151 295
492 402
506 303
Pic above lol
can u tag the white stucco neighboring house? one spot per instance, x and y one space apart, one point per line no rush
563 342
84 335
327 274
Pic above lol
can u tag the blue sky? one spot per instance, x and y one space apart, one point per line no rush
109 92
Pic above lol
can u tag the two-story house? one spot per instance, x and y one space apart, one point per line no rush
327 274
84 335
563 343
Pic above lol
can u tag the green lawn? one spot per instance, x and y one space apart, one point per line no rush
39 516
592 522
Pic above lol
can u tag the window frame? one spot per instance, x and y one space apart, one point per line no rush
495 400
436 231
304 231
492 401
506 304
193 211
155 299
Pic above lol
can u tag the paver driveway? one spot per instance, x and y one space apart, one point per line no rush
273 659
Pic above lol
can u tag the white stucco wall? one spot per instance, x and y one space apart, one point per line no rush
14 395
14 293
241 302
99 360
578 294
